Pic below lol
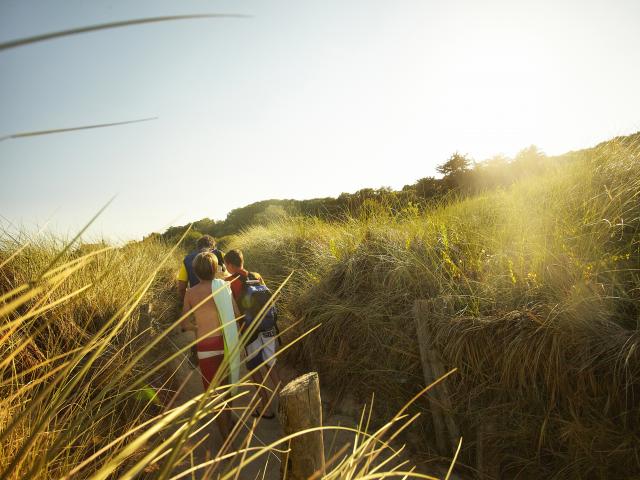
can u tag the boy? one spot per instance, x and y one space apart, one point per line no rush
263 348
186 275
210 348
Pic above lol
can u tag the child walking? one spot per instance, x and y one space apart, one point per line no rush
213 323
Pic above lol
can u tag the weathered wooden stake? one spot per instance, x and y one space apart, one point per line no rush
487 457
300 408
446 431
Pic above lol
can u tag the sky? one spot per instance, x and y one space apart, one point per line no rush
301 99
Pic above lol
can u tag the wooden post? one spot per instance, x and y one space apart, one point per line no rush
300 408
446 431
487 457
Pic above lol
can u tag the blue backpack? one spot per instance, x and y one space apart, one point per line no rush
254 297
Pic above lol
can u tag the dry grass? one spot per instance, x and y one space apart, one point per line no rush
87 383
544 280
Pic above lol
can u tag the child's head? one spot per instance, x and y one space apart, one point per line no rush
205 266
206 242
234 261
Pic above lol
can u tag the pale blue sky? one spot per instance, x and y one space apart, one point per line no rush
303 99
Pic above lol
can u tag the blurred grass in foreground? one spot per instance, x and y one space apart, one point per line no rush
89 386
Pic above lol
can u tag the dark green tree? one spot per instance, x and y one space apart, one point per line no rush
428 187
456 172
455 165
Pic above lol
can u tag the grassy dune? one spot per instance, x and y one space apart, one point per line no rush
541 281
89 384
69 386
544 283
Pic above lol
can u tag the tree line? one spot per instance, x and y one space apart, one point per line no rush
460 176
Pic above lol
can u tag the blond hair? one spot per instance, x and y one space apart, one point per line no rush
205 266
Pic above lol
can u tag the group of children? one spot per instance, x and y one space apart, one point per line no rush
213 300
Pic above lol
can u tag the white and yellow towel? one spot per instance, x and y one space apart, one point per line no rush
224 304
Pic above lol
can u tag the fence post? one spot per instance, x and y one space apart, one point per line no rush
487 456
300 408
446 431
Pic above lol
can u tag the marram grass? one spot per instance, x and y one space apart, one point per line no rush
88 386
543 285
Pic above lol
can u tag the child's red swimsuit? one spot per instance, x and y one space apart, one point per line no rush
210 356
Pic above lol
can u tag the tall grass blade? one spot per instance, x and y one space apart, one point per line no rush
105 26
74 239
73 129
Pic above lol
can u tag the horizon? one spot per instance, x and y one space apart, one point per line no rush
287 98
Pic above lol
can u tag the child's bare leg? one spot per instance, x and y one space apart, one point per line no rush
259 380
225 424
275 378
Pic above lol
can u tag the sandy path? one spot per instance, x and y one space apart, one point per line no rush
267 431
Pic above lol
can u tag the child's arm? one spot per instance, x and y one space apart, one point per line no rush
181 281
186 322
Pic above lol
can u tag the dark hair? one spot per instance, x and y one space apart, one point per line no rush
205 266
235 258
206 242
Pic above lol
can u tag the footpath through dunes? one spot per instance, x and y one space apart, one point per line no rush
346 415
95 381
532 293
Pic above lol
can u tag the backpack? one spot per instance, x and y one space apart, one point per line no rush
254 297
